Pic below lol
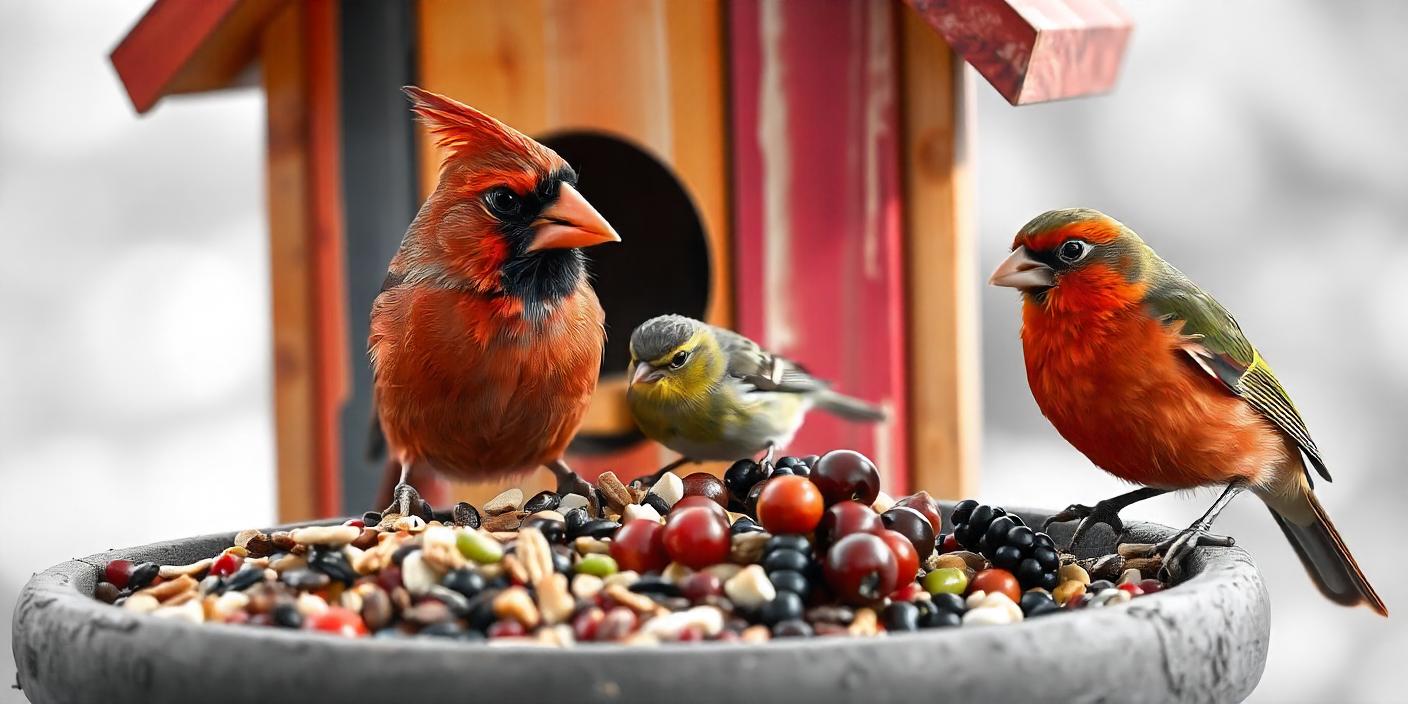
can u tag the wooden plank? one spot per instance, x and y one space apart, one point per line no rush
304 238
652 72
818 201
180 46
943 325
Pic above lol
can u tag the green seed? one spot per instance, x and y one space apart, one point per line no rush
597 565
946 580
477 546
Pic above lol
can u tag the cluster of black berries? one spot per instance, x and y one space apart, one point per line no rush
787 559
1008 543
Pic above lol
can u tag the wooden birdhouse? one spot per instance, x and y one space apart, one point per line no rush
795 170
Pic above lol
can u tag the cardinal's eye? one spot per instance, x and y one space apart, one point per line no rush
503 202
1073 251
678 360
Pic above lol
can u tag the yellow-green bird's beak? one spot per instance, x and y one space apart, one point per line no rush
646 374
1020 271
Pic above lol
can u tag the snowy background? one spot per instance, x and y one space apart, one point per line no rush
1257 145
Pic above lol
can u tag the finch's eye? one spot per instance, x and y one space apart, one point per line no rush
1073 251
503 202
678 360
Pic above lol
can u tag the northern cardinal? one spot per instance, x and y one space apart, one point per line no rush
1152 379
486 339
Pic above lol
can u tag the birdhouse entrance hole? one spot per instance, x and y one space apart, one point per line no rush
661 266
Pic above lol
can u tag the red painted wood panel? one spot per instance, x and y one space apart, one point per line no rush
820 275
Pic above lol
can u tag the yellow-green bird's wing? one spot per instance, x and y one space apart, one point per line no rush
763 370
1217 345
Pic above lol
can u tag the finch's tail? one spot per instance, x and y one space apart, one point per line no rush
1322 550
847 407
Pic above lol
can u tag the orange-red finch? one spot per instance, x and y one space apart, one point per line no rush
1153 380
486 339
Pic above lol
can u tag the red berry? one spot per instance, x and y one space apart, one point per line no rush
691 633
227 564
389 577
1149 586
906 559
640 546
697 501
355 522
908 592
118 572
926 505
846 475
789 504
845 518
507 628
861 569
1132 588
950 544
701 585
339 621
585 622
706 485
695 537
997 580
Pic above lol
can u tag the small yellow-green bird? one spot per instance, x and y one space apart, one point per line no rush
712 394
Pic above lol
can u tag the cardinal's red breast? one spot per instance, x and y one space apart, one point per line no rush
466 382
1116 386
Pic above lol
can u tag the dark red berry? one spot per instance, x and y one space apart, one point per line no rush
845 518
706 485
861 568
844 475
640 546
913 525
118 572
925 505
695 537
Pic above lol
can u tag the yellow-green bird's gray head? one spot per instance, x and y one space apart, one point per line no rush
712 394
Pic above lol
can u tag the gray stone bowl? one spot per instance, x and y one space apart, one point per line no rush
1203 640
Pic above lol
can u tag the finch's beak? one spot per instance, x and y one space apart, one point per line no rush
571 222
1020 271
645 374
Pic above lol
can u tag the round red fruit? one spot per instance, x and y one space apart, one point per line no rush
844 475
906 558
789 505
706 485
698 501
997 580
640 546
227 564
913 525
338 621
845 518
118 572
861 569
696 537
927 506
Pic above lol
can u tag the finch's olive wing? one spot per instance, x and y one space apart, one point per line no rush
1214 341
763 370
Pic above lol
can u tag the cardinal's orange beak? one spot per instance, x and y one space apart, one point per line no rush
1020 271
571 222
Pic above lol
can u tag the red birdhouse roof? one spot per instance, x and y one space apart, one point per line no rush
1029 50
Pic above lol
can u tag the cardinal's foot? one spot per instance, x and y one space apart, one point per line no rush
568 482
1177 549
1103 512
405 501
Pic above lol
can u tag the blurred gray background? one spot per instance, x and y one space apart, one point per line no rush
1257 145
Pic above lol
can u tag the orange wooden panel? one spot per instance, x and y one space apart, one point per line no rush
649 72
943 324
298 63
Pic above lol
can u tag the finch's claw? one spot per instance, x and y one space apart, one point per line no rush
1178 548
